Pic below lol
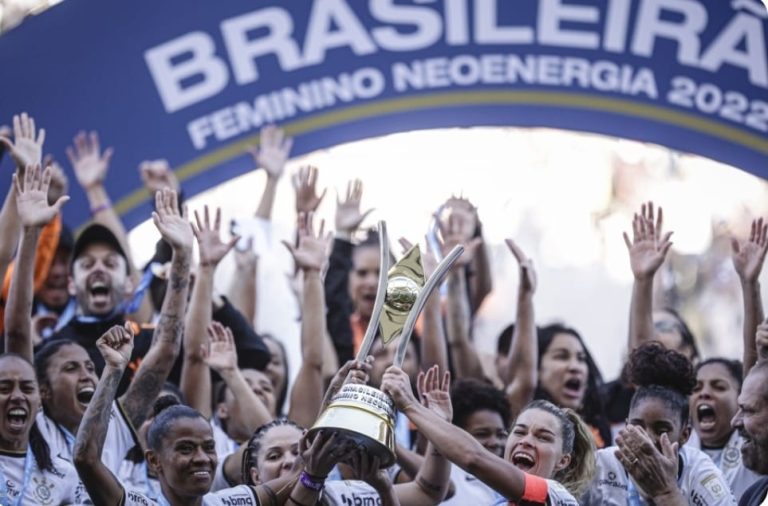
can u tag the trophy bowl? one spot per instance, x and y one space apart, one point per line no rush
364 415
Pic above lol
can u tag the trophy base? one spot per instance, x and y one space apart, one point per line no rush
359 414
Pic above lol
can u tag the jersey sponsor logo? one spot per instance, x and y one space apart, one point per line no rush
137 498
714 486
697 499
611 481
237 500
356 500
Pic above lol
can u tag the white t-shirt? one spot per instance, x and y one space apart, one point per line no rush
120 438
241 495
728 460
700 481
469 490
43 487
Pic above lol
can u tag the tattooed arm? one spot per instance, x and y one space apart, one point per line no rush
102 486
166 341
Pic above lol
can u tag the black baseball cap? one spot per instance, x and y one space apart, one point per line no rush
96 233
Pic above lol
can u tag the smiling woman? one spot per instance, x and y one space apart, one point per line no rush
24 454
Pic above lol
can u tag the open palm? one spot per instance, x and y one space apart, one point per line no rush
435 394
174 228
27 145
749 256
32 197
212 249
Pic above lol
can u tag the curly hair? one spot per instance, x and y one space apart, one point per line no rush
663 374
471 395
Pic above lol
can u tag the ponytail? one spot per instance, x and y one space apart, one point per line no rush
40 449
580 471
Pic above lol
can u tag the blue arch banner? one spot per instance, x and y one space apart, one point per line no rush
193 81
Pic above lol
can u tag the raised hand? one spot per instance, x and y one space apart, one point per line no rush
173 227
654 472
396 384
761 341
305 186
212 249
648 247
434 394
749 255
312 252
156 175
116 346
351 372
348 215
323 453
454 232
221 354
273 151
89 163
528 278
59 181
27 145
367 468
32 197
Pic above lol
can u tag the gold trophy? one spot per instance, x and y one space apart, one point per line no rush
364 414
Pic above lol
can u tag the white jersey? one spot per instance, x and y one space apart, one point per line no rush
135 476
120 438
728 459
242 495
346 492
469 490
700 481
46 488
225 445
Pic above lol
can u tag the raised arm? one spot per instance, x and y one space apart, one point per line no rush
221 356
520 368
100 483
26 149
430 485
647 251
310 256
91 165
458 325
452 442
242 290
195 376
166 340
748 260
34 213
271 155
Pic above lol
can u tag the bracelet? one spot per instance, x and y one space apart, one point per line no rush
294 501
314 483
100 208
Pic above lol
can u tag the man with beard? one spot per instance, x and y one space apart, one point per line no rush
752 423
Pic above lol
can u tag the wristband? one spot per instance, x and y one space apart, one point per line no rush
102 207
310 482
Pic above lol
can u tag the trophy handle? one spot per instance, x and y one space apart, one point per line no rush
421 300
381 294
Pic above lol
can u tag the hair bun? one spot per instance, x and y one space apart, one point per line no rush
653 364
